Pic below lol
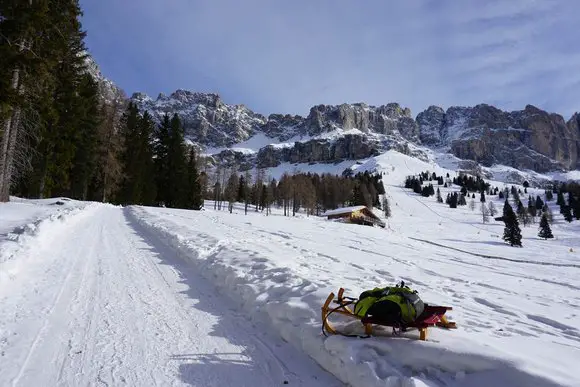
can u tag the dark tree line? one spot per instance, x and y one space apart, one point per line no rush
51 118
157 167
310 192
60 135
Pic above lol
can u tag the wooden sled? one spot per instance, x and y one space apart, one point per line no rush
432 316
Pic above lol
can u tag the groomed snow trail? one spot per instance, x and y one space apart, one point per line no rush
107 305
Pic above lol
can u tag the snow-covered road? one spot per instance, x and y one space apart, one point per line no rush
104 303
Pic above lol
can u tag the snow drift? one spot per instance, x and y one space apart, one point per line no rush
250 264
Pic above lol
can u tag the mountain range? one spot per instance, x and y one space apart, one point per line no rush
530 139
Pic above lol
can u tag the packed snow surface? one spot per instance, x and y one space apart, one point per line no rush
156 296
104 302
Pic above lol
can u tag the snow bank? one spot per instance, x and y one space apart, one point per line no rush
35 233
289 299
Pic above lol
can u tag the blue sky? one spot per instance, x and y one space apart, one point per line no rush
286 56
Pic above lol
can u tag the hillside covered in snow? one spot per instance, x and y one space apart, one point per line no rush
219 298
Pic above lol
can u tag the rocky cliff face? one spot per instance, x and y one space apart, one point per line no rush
206 119
108 91
526 139
348 147
325 134
389 119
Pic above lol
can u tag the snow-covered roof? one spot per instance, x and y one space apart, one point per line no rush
343 210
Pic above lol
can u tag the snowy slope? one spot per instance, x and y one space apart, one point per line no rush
154 296
392 160
29 224
104 303
517 317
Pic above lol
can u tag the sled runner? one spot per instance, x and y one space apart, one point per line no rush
431 316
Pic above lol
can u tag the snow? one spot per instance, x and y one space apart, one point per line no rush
157 296
260 140
106 303
27 224
516 318
338 132
251 145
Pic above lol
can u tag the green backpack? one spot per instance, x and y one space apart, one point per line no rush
393 304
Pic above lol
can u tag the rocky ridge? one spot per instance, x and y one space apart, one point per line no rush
108 91
526 139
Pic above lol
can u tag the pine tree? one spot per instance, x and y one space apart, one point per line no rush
482 198
194 197
539 203
28 56
108 174
522 214
130 192
531 208
512 233
545 231
231 190
439 198
161 149
560 199
573 203
241 189
176 165
85 160
453 200
247 196
417 186
146 152
565 210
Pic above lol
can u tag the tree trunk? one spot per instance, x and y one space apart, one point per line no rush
104 197
9 140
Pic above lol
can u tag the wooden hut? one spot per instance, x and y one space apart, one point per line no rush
357 214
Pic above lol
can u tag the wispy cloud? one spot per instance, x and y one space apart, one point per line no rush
288 56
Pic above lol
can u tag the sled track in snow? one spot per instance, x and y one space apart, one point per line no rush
540 263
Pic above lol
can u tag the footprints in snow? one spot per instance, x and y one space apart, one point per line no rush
493 306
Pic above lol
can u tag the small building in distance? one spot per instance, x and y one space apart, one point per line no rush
357 214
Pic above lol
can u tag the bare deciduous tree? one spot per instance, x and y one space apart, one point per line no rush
484 213
231 190
492 209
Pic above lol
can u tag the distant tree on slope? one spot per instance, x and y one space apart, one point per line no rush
545 231
523 214
565 210
512 233
546 210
